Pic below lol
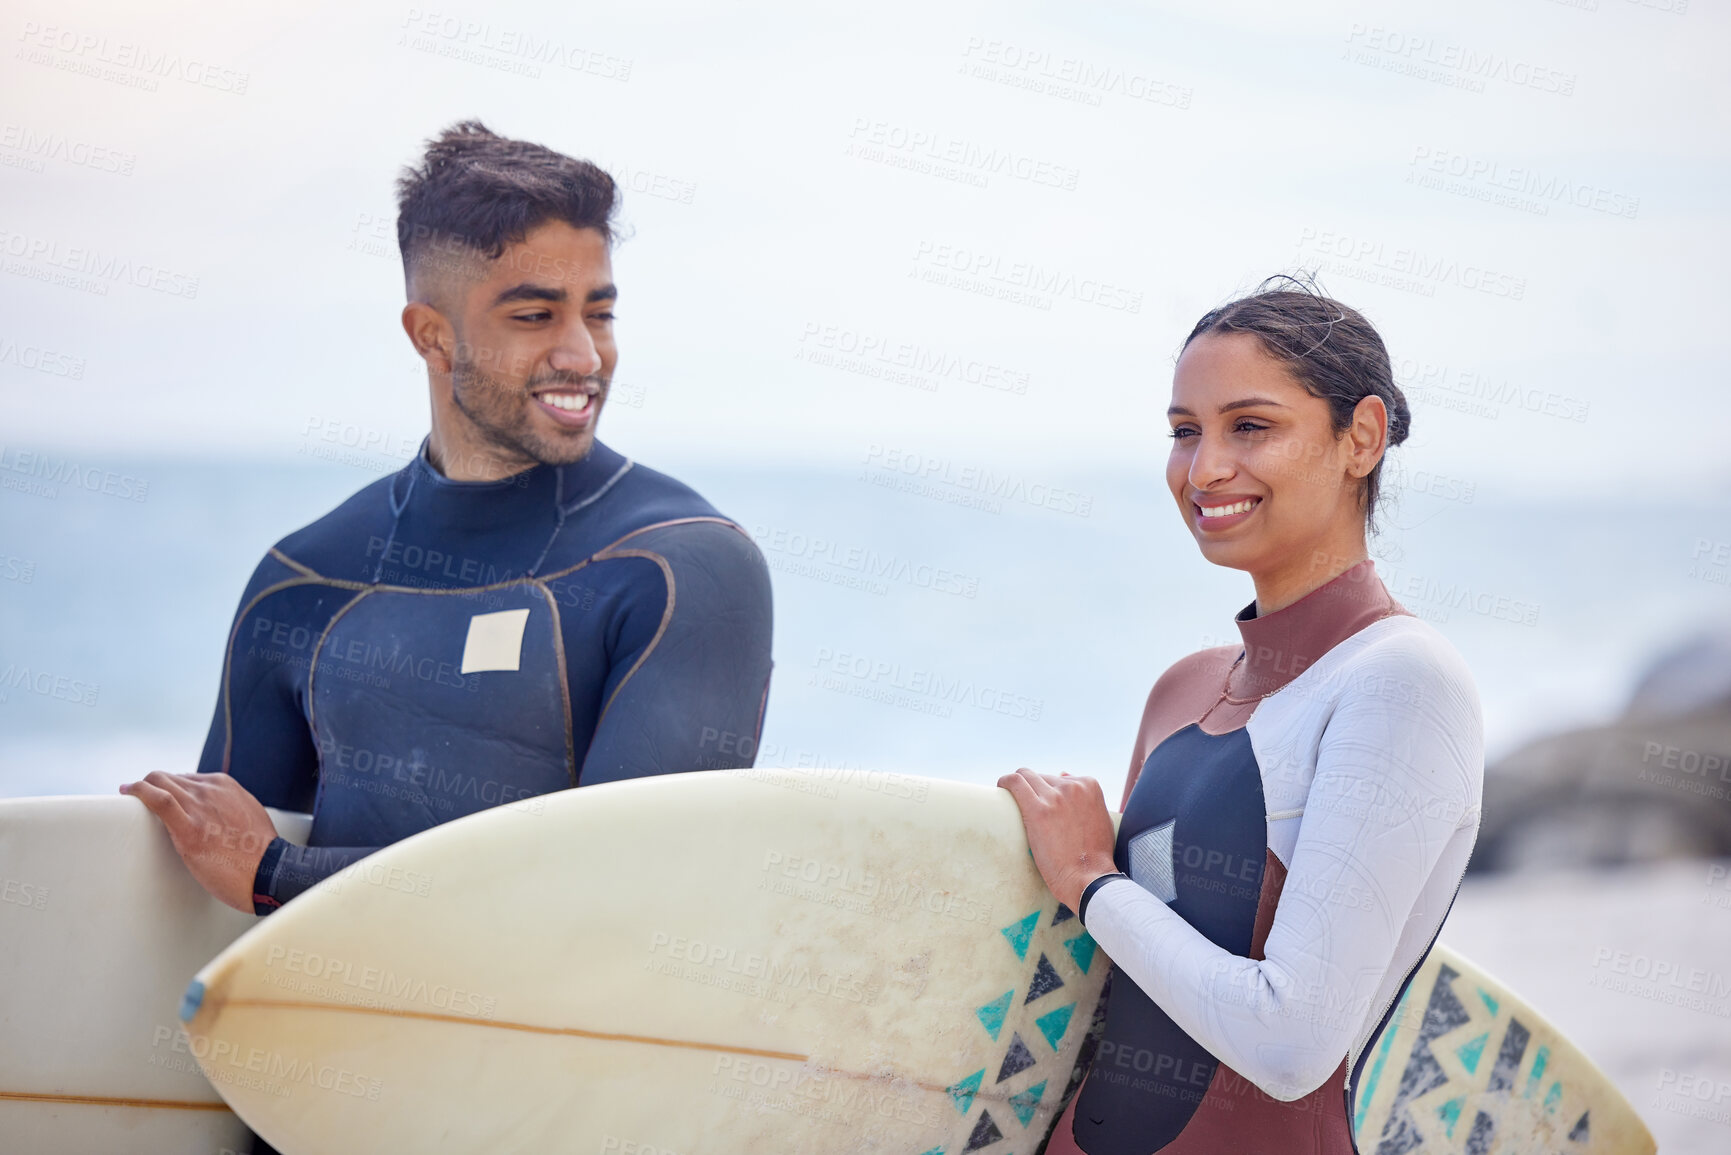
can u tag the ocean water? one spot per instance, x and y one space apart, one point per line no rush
931 622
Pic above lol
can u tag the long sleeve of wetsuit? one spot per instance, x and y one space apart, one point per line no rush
259 734
690 673
1397 780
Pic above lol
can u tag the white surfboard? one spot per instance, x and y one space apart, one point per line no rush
746 961
100 927
765 961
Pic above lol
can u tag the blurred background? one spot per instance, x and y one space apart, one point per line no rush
901 293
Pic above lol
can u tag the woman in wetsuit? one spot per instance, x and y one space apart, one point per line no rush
1300 808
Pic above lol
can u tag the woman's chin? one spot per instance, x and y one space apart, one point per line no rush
1229 554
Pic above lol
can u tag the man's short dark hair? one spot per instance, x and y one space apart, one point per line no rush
478 191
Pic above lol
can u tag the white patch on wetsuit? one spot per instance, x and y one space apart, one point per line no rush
1151 861
495 641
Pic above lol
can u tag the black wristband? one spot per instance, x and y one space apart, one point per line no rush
1088 894
263 902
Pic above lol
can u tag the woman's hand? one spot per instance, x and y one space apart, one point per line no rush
1069 829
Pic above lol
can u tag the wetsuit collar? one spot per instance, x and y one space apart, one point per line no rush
1282 645
520 515
565 487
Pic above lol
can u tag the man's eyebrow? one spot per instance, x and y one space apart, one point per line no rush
529 291
1245 403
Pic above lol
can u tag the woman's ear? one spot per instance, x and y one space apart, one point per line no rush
1367 436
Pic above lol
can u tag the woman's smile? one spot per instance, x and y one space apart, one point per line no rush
1216 512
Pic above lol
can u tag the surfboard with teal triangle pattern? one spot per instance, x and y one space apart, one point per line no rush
743 961
1466 1067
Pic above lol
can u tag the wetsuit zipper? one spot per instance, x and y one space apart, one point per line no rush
1388 1008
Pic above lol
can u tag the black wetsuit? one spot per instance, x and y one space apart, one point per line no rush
431 648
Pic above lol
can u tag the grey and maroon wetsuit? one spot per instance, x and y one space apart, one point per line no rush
1298 817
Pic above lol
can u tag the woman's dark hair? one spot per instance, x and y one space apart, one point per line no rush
478 191
1329 347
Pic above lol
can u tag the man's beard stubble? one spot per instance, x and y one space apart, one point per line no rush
500 412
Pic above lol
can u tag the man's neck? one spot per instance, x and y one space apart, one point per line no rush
457 461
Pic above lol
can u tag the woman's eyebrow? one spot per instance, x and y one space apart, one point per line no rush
1246 403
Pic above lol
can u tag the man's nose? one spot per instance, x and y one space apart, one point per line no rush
576 351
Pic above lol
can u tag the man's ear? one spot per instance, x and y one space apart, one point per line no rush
432 336
1367 436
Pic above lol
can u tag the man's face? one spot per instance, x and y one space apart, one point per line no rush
534 352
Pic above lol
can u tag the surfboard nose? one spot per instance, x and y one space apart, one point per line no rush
191 1000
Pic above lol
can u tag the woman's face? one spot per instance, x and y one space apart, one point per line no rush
1257 471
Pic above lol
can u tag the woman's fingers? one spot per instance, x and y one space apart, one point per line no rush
1090 787
1069 830
1021 784
1044 786
1051 789
1028 801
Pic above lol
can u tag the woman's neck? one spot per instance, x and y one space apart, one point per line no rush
1307 571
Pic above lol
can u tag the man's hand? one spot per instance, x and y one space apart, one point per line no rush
219 830
1069 829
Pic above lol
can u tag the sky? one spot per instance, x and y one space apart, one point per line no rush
978 231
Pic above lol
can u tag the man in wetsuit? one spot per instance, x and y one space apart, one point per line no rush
519 610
